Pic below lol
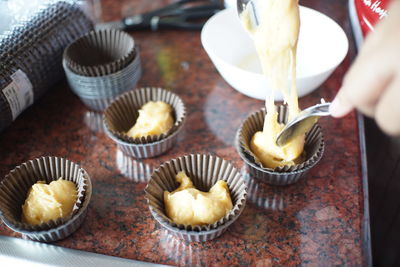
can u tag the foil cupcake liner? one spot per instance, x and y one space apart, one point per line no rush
108 86
15 186
149 150
121 115
204 171
313 147
100 53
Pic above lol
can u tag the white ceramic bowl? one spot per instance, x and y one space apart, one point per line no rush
230 3
322 47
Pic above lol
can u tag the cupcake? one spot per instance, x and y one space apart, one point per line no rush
16 188
280 175
123 114
205 172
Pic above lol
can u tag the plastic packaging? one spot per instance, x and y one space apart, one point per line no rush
31 49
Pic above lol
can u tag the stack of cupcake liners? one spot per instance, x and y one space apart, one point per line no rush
102 65
35 47
100 53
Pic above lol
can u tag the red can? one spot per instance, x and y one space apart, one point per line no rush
369 12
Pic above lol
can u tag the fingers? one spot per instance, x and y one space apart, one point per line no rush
363 85
340 106
372 84
387 113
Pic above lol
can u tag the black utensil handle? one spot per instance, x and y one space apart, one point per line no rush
180 26
136 22
187 21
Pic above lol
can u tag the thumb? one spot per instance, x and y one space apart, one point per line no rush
341 105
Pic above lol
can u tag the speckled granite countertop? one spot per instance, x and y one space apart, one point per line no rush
318 221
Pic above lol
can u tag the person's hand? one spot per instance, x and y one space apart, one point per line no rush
372 84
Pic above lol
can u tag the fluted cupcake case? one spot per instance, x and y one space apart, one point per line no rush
122 114
313 149
204 171
15 186
102 65
100 53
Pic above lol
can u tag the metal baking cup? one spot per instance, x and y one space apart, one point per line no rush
98 92
100 53
121 115
107 85
313 148
204 171
15 186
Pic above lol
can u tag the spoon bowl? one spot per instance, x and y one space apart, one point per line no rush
302 123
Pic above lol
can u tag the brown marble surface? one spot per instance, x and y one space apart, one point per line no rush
318 221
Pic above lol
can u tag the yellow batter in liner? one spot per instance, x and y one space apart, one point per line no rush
189 206
46 202
155 118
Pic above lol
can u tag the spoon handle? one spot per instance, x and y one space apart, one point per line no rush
321 109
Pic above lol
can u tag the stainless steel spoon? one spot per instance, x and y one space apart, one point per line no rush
302 123
251 6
